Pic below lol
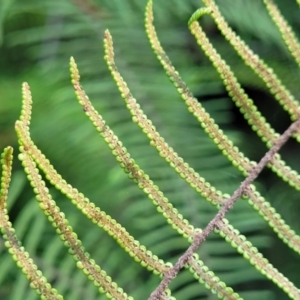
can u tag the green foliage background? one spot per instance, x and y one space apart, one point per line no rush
38 37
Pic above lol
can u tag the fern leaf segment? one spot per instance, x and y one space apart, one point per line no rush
34 161
6 163
197 182
113 228
132 246
275 86
58 220
144 182
250 111
251 253
127 163
218 222
138 115
264 208
165 151
22 258
285 30
203 274
207 123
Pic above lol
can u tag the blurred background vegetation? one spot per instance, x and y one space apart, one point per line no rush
37 39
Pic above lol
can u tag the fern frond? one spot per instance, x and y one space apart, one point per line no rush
133 247
58 220
197 182
165 151
37 281
140 118
127 163
167 236
275 86
144 182
258 261
137 251
6 163
89 209
26 110
249 110
264 208
218 222
206 122
277 165
285 30
183 90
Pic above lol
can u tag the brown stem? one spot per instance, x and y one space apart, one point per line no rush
228 204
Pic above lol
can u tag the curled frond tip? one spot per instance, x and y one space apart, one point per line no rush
199 13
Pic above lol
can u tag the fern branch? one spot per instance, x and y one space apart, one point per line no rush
100 218
183 227
208 124
119 233
58 220
32 159
217 222
165 151
275 86
218 136
249 110
285 30
127 163
37 281
222 141
277 165
284 232
6 163
244 246
139 252
205 276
